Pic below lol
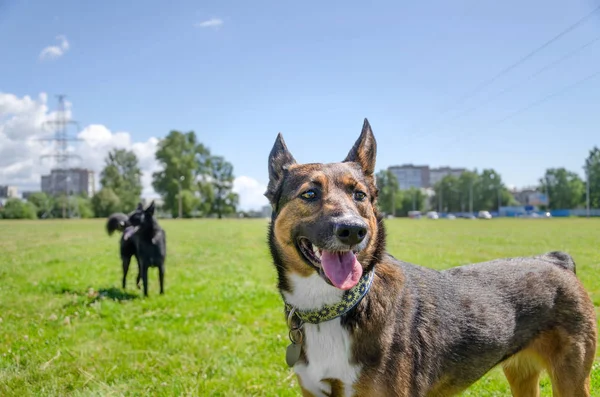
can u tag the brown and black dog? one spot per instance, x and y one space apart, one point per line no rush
363 323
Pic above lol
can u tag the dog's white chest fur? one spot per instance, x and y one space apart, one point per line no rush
327 345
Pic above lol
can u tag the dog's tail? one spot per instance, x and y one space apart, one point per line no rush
562 259
116 221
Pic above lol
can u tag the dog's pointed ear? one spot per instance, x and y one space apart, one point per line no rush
279 160
140 206
150 209
364 151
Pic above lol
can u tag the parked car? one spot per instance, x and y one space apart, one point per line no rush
450 216
414 214
484 215
433 215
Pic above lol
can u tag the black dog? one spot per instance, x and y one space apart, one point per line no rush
150 244
119 221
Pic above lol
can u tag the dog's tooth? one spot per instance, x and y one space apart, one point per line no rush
316 252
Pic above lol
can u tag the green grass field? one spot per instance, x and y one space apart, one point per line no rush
67 328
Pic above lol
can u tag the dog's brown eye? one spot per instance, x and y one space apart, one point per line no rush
360 196
309 195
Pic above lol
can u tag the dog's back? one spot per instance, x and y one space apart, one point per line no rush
467 319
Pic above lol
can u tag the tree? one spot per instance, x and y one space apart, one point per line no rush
206 196
184 161
565 189
447 194
17 209
84 205
60 202
122 175
189 203
592 166
491 188
484 191
43 203
220 178
105 202
468 185
390 196
413 199
490 193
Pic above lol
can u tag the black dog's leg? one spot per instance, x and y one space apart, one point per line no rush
126 260
161 277
145 278
139 276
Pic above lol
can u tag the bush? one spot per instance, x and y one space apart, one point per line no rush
43 203
105 202
18 209
85 207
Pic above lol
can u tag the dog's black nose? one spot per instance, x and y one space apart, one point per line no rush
350 233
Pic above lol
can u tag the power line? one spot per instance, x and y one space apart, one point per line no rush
61 154
525 80
526 57
534 104
521 60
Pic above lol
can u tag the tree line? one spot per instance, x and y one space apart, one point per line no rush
202 183
191 180
476 191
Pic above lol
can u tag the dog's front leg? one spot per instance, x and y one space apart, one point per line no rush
145 277
139 275
161 277
126 260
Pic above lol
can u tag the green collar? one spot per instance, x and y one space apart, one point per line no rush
329 312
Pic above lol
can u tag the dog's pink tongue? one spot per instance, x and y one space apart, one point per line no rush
343 270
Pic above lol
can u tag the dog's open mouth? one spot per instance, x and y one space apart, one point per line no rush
339 268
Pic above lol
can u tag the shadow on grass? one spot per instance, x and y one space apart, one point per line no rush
92 295
115 294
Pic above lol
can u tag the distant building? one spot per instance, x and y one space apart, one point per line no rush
529 196
411 176
421 176
8 191
78 181
437 174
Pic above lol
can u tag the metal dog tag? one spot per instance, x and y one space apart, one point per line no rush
292 354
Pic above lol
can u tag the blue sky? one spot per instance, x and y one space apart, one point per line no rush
314 70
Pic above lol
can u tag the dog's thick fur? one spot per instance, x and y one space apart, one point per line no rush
150 244
418 331
127 247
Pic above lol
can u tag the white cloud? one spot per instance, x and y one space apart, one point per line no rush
251 193
22 124
210 23
55 51
97 141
